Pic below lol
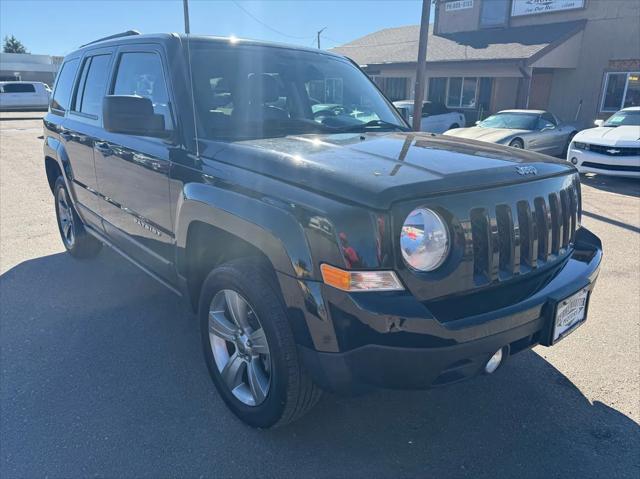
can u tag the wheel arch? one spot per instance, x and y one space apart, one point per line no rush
215 225
53 171
56 162
518 138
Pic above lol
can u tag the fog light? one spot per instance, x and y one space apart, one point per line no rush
494 362
574 161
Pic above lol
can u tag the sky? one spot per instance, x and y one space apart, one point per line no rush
57 27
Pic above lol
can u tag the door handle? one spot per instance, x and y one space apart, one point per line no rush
65 133
103 147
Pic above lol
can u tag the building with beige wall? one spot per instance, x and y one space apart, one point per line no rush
578 58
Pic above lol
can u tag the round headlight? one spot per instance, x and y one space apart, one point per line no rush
424 240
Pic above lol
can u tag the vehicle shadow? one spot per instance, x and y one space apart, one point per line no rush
102 375
613 184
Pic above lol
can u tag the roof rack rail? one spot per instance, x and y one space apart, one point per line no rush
110 37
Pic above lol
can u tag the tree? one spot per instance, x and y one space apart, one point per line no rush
13 45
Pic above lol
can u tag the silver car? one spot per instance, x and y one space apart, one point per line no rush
535 130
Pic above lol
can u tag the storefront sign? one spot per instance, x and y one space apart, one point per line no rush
458 5
532 7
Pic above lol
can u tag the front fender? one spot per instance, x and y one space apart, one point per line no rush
268 227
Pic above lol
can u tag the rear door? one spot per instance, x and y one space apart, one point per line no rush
82 128
133 171
549 141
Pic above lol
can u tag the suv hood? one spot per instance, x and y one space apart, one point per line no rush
378 169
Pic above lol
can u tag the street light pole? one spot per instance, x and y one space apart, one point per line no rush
422 65
185 5
319 32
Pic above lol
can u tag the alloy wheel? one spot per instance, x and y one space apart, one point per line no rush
65 217
239 346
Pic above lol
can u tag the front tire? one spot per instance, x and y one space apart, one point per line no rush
249 347
75 238
517 143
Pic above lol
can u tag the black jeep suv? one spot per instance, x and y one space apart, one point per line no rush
323 244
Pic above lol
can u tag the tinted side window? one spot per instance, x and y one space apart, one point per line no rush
64 86
140 73
428 109
434 108
548 117
543 122
93 81
19 88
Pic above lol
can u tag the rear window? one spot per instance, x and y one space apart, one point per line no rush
93 82
434 108
18 88
64 85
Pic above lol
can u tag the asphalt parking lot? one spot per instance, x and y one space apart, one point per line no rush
102 374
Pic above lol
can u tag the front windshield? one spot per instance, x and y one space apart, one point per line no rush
512 121
246 92
624 118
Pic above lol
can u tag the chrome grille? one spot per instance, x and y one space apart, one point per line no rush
514 238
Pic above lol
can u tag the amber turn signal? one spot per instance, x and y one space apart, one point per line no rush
360 280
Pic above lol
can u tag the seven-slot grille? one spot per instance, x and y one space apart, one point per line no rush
523 235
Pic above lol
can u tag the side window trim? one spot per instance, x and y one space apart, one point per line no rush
58 111
79 88
158 51
86 60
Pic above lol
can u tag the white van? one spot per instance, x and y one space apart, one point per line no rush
24 95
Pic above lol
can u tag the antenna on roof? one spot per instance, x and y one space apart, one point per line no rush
111 37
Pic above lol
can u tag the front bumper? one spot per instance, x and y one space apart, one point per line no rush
590 162
392 340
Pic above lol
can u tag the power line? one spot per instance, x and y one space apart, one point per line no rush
267 26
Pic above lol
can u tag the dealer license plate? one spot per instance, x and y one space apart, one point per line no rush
570 313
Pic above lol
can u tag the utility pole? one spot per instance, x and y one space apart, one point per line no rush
185 5
319 32
422 64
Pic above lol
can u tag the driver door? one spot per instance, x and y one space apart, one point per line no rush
133 171
548 139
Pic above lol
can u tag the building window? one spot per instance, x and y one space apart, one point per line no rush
621 90
461 92
494 13
395 88
437 90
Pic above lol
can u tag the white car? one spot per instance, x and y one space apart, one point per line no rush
24 95
436 118
613 148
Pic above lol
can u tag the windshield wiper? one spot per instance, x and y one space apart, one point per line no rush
373 123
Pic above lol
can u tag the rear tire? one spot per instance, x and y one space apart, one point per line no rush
286 392
455 125
517 143
74 236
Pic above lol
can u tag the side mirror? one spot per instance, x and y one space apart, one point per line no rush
132 115
598 122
